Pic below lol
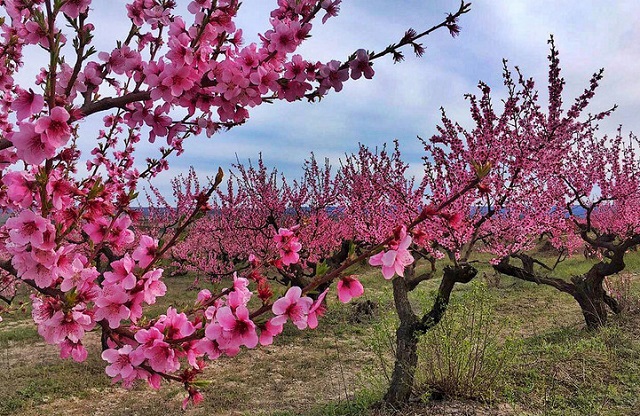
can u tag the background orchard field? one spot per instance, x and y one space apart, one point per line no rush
530 341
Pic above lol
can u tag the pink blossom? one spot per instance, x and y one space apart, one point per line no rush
333 76
209 347
146 251
180 53
54 128
149 337
35 34
97 229
210 312
454 220
269 331
265 78
361 65
75 350
231 81
71 325
153 286
294 90
121 59
231 331
240 295
42 309
79 277
27 227
331 7
179 79
292 306
121 235
27 103
122 273
110 305
135 306
44 256
283 38
196 5
348 288
296 69
19 188
289 246
194 396
317 310
92 74
159 123
175 325
73 8
30 269
61 191
394 261
160 354
122 361
204 295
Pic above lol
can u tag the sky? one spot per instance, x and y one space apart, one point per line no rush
402 101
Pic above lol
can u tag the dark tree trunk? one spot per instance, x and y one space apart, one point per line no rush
451 275
407 334
593 309
104 337
591 296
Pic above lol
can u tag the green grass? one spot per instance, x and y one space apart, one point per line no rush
571 372
18 335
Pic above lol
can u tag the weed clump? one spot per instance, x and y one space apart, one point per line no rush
465 356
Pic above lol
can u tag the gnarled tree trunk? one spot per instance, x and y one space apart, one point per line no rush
591 295
587 289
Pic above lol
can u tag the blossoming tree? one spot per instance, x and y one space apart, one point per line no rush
586 196
592 203
170 77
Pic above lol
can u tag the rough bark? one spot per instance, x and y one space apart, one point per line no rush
590 293
406 356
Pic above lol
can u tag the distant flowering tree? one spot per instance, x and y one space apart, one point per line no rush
568 185
380 198
69 233
593 204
